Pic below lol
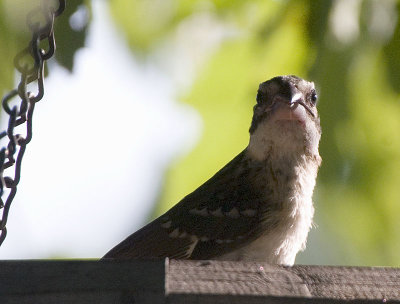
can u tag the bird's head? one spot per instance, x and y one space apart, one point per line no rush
285 117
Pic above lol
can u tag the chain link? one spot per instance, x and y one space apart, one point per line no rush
20 114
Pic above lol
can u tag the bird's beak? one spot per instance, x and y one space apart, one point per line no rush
296 98
291 109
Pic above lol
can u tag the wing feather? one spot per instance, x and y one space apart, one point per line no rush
221 215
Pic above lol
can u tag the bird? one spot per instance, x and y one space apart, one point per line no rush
259 206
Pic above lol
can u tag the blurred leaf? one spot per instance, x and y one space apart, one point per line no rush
144 22
147 23
71 38
358 182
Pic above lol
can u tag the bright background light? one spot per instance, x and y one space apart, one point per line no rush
101 139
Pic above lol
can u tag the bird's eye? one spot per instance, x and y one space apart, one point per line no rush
314 97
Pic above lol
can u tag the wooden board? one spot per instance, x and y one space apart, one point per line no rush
179 281
377 284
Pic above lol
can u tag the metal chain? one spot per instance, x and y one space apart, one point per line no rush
30 64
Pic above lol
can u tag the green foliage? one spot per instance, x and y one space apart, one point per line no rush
358 191
358 76
69 40
357 197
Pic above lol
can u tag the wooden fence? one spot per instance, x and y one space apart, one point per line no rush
178 281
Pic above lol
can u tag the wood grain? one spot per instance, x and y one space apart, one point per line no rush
182 281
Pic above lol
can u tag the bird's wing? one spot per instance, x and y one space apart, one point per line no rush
221 215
